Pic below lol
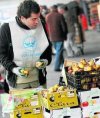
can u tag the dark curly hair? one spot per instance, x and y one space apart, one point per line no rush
27 7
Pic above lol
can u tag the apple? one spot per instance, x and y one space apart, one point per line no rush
85 104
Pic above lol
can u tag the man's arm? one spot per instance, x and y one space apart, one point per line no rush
6 51
47 54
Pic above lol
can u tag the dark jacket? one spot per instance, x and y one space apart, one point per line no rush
75 10
69 22
56 26
6 53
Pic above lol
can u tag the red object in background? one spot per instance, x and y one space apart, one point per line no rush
85 104
84 22
1 79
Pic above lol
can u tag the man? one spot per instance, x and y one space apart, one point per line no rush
24 48
57 34
71 48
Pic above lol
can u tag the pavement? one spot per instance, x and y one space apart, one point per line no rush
91 50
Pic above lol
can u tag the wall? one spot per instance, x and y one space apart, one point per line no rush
52 2
8 9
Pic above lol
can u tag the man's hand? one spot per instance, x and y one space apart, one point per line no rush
21 72
41 63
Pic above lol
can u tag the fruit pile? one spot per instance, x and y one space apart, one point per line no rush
83 65
83 75
55 88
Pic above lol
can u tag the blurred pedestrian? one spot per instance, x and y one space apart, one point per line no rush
70 46
57 34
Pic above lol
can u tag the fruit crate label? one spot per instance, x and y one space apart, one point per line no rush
70 94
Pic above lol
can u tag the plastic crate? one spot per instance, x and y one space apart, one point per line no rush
83 80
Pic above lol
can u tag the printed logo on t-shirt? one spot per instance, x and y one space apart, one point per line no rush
30 43
31 47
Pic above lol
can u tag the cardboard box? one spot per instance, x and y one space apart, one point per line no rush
57 100
78 39
98 8
29 106
69 62
24 103
26 96
91 112
65 112
93 4
27 113
90 98
90 102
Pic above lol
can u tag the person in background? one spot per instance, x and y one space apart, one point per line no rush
70 46
25 50
57 34
44 10
76 11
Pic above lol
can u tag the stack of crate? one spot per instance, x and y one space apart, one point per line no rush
90 103
93 13
23 103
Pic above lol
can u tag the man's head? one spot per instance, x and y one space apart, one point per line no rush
29 13
62 9
53 8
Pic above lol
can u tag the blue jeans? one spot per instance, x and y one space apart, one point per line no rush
59 59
